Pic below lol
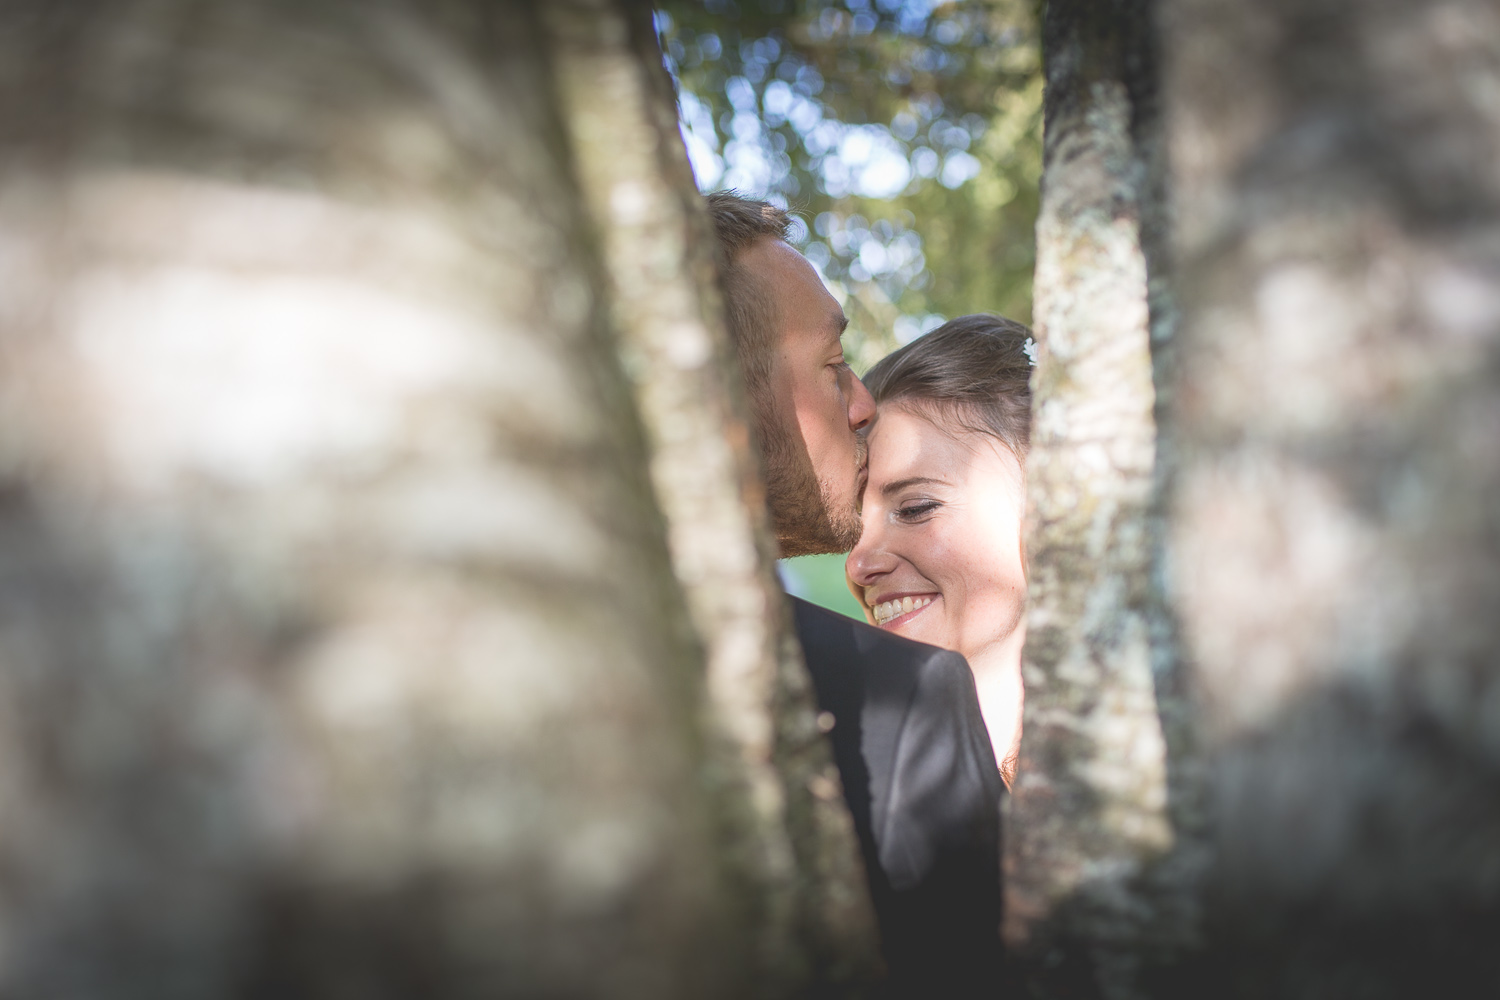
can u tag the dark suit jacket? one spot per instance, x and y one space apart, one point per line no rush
920 778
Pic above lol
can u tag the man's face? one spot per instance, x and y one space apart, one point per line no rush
814 453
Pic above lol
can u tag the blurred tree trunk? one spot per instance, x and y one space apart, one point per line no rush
1336 545
1100 826
793 840
340 649
1314 505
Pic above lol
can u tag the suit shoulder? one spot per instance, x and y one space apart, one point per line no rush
944 668
824 624
881 653
922 658
810 616
823 633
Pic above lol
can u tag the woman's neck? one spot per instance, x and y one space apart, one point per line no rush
997 676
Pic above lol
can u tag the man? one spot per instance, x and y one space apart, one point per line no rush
918 771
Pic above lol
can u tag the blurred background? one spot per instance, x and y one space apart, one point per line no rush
904 135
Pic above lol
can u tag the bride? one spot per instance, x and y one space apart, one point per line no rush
940 557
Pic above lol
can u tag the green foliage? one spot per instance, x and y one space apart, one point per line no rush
820 579
906 133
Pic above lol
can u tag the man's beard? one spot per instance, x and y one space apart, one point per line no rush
808 516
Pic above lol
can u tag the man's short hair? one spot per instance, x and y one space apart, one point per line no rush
749 308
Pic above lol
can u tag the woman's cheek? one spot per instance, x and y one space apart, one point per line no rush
942 554
928 553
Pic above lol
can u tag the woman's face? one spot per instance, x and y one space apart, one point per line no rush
939 558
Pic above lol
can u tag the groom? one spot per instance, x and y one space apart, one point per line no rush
918 771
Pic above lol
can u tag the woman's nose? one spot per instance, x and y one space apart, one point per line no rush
868 561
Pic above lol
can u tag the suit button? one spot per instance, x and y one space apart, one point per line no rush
826 722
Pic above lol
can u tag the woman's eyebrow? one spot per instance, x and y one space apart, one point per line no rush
900 484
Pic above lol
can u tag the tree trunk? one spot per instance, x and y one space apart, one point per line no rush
792 839
340 652
1336 545
1100 824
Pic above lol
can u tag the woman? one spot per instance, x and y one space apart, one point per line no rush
940 558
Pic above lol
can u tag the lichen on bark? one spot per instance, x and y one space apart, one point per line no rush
1090 821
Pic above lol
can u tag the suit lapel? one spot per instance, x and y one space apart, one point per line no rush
889 683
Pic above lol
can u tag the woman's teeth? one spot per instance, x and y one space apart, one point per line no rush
893 609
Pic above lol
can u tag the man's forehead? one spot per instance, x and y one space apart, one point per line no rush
792 281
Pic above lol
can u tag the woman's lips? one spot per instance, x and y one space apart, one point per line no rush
896 610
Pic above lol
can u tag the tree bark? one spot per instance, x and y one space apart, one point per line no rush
340 652
789 834
1101 826
1336 545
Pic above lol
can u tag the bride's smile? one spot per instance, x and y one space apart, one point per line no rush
939 557
894 608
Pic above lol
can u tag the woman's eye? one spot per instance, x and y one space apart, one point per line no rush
917 511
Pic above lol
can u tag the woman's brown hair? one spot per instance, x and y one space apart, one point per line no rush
974 371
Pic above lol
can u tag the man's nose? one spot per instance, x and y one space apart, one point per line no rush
861 405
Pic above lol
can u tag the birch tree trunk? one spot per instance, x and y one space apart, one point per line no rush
1101 828
1336 546
792 841
340 651
1327 452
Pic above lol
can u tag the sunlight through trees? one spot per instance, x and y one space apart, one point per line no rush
906 134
